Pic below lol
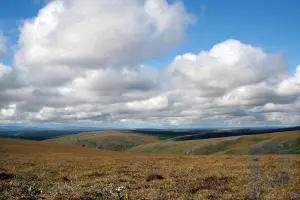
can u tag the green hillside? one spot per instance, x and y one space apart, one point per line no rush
109 140
284 142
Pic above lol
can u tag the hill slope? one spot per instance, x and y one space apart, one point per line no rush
283 142
45 170
109 140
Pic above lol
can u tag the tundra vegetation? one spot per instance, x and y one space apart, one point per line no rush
47 170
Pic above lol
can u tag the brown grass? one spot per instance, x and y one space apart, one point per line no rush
53 171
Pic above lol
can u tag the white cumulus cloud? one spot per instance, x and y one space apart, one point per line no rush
70 34
83 62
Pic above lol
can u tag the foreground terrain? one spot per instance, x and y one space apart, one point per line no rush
45 170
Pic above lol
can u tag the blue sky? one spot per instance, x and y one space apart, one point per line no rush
273 25
12 13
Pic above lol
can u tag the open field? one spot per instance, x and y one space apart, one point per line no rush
53 171
109 140
283 142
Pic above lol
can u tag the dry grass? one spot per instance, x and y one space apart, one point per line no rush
53 171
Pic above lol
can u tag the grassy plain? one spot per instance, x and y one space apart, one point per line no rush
46 170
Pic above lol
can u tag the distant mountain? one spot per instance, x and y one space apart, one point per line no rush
35 134
26 128
16 128
42 133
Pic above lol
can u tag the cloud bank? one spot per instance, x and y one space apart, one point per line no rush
82 62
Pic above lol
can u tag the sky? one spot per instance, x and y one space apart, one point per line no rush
150 63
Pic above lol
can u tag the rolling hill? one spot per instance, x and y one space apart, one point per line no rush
109 140
282 142
279 142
